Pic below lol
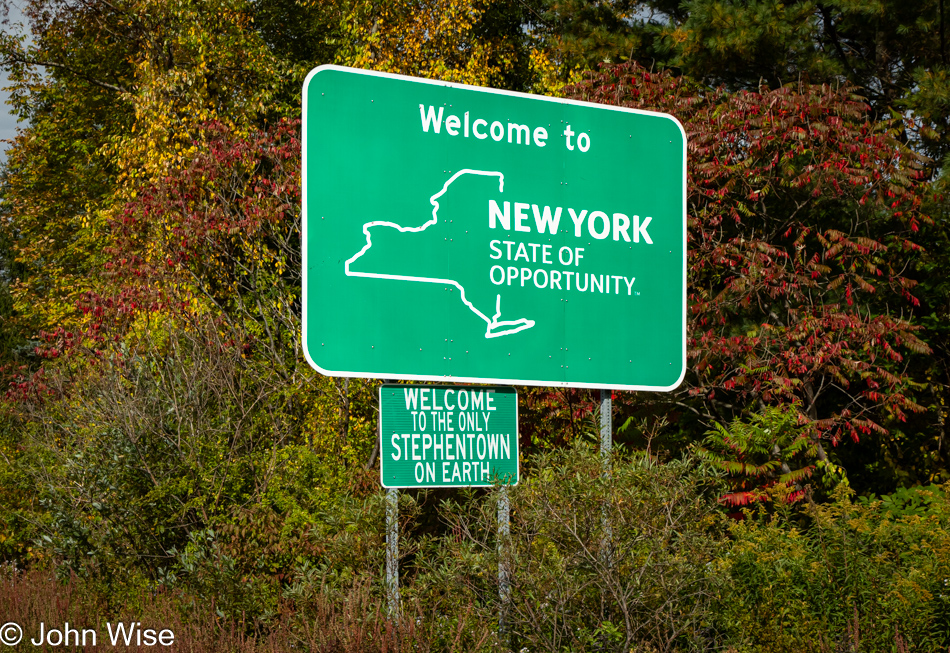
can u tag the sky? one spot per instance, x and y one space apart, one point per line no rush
8 123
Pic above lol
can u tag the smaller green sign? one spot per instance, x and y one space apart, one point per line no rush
448 436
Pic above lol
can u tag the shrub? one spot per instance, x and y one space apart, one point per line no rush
845 575
597 561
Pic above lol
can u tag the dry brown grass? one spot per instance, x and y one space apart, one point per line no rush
354 622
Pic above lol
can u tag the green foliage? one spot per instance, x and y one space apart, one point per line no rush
921 501
54 183
582 35
896 52
637 559
178 438
758 454
16 496
843 574
608 562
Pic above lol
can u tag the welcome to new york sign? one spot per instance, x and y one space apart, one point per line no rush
454 233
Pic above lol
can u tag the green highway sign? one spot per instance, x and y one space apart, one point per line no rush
454 233
447 436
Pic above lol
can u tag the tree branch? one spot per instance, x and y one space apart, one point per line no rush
12 58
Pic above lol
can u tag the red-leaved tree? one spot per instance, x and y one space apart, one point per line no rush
802 218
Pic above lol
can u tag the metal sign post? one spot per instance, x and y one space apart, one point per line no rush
504 573
606 428
606 448
392 552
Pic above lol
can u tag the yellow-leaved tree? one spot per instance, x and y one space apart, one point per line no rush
478 42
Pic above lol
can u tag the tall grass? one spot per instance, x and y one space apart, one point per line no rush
354 621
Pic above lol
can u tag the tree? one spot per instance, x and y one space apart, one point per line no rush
896 52
801 215
581 35
57 177
477 42
125 90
